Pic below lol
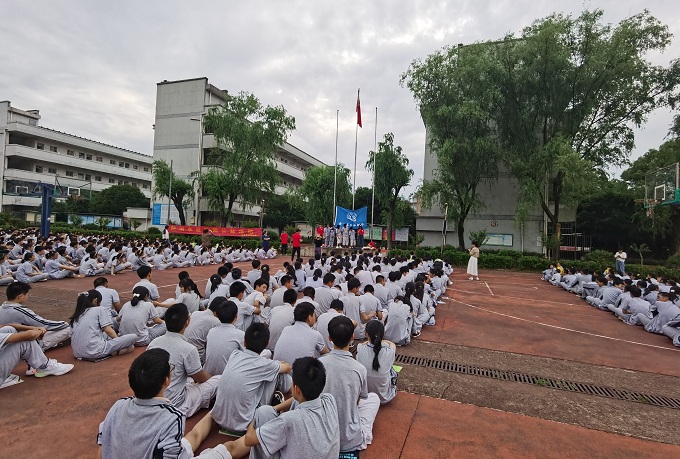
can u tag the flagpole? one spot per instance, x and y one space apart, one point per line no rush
335 178
356 139
375 157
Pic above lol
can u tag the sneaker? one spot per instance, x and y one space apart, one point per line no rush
416 334
471 278
30 372
440 302
53 368
278 398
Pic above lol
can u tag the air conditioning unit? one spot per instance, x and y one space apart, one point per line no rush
21 189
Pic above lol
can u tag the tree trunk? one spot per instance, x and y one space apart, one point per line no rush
675 230
460 227
180 209
389 225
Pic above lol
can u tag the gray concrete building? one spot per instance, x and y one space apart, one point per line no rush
31 154
179 137
498 216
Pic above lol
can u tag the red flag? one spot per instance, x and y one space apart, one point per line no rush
358 110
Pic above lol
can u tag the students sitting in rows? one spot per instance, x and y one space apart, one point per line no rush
377 355
300 339
200 325
134 316
281 317
222 339
55 270
28 272
667 311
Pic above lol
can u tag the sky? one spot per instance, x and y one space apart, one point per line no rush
91 67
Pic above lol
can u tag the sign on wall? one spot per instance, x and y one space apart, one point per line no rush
504 240
159 214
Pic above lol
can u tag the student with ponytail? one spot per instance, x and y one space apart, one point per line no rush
136 313
377 355
92 335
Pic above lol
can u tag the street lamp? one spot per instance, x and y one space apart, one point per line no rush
197 198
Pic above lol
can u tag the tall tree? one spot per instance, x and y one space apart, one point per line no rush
115 200
455 102
282 210
392 174
316 192
182 191
568 92
247 135
363 197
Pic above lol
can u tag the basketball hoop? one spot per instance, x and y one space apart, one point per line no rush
650 204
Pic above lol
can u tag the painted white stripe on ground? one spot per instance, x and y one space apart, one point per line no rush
487 286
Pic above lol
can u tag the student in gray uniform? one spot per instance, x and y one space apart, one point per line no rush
93 337
378 355
324 319
281 317
110 299
666 309
56 270
188 397
237 291
325 294
136 314
200 325
6 276
28 272
20 342
89 265
144 274
300 339
346 381
148 425
13 311
353 306
304 426
223 339
399 322
248 381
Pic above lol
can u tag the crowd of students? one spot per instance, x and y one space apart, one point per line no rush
651 302
272 354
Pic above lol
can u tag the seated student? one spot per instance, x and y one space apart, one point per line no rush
160 262
188 397
281 317
236 276
651 294
346 381
315 280
180 275
56 270
217 288
595 297
6 276
189 295
255 273
248 381
28 272
134 316
635 305
258 299
20 342
93 336
308 294
223 339
353 307
378 355
117 262
200 325
276 300
325 294
300 339
667 312
305 426
336 309
148 425
90 265
13 311
110 299
548 273
399 323
145 273
237 292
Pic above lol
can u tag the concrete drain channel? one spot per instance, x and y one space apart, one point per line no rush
560 384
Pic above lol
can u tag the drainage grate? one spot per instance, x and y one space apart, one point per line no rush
570 386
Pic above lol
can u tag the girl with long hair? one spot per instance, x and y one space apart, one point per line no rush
378 355
136 313
92 335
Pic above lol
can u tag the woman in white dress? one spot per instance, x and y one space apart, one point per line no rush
472 263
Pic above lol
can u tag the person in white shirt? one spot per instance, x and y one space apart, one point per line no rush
620 257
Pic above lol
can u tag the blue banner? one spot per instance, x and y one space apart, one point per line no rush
351 218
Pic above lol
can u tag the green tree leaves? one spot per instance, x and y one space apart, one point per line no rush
116 199
182 191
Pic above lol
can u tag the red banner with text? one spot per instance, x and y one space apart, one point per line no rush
216 230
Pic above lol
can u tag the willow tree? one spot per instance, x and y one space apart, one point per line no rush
243 166
182 191
392 174
455 102
316 192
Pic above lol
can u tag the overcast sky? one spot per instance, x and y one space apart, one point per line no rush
91 68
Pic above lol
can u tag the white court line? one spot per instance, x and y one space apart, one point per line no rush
567 329
514 297
487 286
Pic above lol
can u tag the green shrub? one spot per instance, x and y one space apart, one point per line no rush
603 257
152 231
673 261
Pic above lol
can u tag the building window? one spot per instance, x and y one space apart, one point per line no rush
145 186
88 177
81 175
97 178
120 182
54 149
88 157
52 170
112 162
38 169
69 173
112 180
146 169
40 146
135 167
81 155
70 152
99 159
121 164
127 165
125 182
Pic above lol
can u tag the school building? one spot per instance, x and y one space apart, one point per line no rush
498 217
179 137
31 154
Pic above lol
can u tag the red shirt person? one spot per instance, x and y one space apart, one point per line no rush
297 242
284 243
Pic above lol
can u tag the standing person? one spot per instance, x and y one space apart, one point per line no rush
205 238
620 257
166 233
360 236
265 241
318 242
297 243
472 262
284 242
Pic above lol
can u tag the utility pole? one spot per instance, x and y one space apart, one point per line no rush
167 221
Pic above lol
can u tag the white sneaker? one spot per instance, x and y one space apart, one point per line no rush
53 368
471 278
30 372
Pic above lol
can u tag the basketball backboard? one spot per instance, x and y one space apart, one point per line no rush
662 186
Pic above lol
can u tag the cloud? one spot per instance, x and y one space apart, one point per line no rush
91 68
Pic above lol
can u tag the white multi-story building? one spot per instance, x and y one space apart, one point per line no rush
179 137
31 154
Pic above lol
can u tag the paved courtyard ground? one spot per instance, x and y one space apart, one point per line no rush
506 322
